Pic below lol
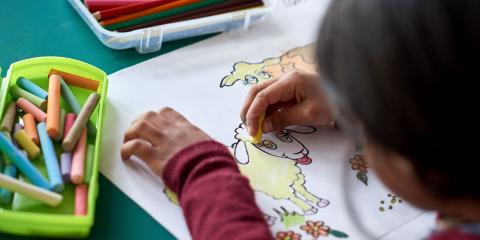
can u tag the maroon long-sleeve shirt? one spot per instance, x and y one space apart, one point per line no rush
218 202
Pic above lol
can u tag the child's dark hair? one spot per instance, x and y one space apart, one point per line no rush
408 70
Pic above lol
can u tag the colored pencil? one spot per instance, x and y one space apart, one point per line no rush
127 9
230 6
147 12
98 5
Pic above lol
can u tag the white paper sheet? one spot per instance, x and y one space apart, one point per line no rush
189 80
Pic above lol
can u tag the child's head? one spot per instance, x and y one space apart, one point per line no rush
407 71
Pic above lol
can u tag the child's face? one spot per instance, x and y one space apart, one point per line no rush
397 174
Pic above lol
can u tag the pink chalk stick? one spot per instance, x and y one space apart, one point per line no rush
81 203
78 159
69 120
28 107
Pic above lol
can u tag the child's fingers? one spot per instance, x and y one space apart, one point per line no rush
251 95
278 92
146 131
139 148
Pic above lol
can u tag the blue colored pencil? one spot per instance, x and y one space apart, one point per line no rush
51 160
31 87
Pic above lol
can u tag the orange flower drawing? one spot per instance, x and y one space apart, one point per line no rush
359 163
316 229
289 235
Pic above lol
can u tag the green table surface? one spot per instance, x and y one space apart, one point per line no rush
33 28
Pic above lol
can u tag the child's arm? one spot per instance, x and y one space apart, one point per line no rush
216 199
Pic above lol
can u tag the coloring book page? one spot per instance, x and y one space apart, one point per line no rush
309 181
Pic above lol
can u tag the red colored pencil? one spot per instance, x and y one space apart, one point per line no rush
98 5
126 9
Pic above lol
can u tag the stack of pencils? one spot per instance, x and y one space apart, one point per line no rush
128 15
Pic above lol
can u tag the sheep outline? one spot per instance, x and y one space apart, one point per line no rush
285 180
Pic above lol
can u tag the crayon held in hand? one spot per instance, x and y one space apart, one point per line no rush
78 159
31 87
9 118
27 144
258 136
28 107
40 194
22 163
53 111
74 105
31 127
81 197
37 101
50 156
73 135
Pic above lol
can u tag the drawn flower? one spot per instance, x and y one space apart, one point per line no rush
316 229
289 235
359 163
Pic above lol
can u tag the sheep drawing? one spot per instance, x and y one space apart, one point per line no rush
272 166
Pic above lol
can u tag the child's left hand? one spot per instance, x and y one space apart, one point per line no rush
155 137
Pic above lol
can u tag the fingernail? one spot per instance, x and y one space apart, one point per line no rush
267 126
249 129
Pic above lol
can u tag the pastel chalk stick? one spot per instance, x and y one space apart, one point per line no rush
22 163
74 105
61 125
40 194
6 196
8 117
78 159
76 80
51 161
31 87
258 136
17 127
89 164
69 120
71 139
37 101
28 107
81 200
53 111
27 144
31 127
66 166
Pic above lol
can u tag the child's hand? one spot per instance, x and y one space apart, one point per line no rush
156 136
295 98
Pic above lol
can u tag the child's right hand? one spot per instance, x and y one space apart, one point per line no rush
294 98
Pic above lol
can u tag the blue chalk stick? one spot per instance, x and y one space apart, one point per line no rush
31 87
22 163
6 196
74 105
51 160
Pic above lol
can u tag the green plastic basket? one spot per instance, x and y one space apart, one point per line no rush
26 216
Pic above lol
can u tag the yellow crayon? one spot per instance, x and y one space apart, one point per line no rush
27 144
258 136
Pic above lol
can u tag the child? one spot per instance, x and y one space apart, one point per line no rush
397 75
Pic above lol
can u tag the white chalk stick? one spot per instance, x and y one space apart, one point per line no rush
40 194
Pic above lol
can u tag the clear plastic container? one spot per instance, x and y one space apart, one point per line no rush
150 39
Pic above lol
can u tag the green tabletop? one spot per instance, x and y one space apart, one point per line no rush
35 28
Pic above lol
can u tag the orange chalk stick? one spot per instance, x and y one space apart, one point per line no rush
76 80
81 196
53 110
28 107
78 159
31 127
